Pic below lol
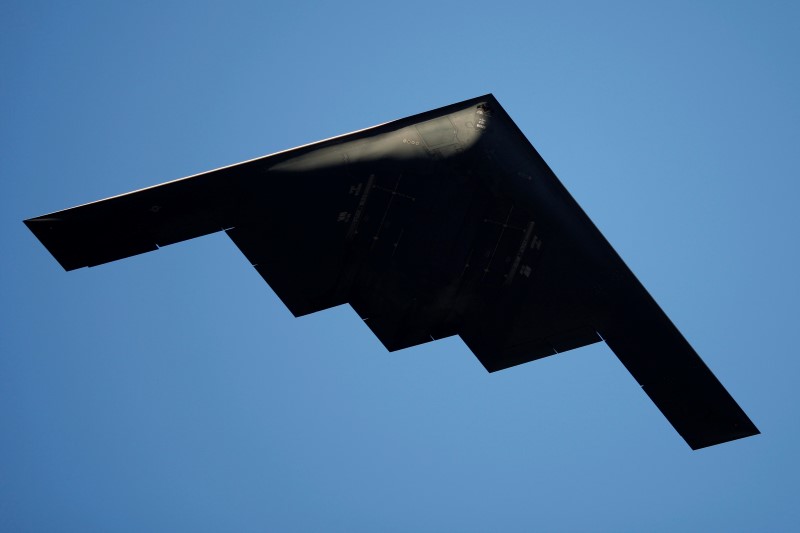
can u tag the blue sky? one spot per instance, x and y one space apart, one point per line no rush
173 391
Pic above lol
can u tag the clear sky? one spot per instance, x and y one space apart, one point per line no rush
174 392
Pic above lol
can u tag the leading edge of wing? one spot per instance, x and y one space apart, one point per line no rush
143 220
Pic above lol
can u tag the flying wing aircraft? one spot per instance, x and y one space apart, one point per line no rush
444 223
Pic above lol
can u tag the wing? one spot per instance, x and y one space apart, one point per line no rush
443 223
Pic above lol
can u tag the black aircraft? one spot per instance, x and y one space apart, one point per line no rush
444 223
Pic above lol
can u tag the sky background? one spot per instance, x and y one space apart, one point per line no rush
174 392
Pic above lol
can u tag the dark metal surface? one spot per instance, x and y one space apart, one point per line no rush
444 223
